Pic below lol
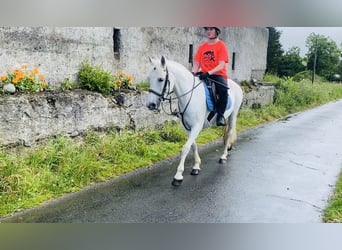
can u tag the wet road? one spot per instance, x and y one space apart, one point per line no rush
284 171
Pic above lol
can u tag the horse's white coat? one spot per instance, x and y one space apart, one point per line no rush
181 81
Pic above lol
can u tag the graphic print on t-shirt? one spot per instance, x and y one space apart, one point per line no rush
209 56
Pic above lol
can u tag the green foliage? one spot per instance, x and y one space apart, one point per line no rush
326 52
323 52
294 96
25 80
290 63
274 50
333 212
143 85
95 78
171 132
271 78
67 84
122 80
63 165
246 86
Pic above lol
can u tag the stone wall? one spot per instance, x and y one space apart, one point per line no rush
59 51
28 118
260 95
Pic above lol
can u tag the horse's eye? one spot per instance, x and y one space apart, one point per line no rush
160 79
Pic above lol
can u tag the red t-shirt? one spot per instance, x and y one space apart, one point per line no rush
209 55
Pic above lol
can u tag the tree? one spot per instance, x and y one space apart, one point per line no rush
291 63
323 55
274 50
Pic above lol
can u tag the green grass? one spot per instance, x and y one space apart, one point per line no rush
63 165
333 212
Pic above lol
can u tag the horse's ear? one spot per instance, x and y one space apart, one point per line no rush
163 62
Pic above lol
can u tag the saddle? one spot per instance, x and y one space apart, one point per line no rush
211 99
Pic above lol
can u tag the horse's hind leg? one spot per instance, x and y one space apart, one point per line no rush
196 168
229 138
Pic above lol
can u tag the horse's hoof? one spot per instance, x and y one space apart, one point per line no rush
176 183
230 148
195 172
222 161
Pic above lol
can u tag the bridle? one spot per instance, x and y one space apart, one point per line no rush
170 99
166 86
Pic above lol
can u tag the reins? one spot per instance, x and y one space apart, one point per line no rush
219 83
170 99
178 113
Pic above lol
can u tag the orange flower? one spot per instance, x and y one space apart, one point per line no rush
35 71
41 77
3 78
43 83
24 66
15 80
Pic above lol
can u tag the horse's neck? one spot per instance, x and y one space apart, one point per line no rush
182 79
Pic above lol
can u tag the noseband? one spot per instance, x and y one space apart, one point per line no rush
166 84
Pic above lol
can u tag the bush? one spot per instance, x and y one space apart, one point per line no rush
95 78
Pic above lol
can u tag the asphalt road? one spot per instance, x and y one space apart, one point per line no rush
281 172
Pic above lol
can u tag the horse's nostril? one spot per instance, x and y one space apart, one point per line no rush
151 106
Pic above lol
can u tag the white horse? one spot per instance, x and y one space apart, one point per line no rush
167 77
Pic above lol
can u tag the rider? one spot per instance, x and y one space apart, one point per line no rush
210 63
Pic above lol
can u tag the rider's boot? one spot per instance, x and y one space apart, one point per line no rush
221 108
220 121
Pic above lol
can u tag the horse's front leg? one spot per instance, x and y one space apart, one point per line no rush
196 168
178 178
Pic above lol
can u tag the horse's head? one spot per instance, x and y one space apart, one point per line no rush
160 86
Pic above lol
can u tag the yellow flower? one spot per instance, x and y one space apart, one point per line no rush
35 71
24 66
41 77
43 83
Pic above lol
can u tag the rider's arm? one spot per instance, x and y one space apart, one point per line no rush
219 67
195 67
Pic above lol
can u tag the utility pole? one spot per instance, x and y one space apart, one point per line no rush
314 63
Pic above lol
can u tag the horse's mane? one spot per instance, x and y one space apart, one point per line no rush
178 66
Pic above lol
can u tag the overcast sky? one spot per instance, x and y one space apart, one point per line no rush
296 36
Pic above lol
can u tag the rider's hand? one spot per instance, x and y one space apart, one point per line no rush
204 76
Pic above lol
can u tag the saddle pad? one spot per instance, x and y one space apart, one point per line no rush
210 102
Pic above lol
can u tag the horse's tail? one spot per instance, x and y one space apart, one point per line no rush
231 138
